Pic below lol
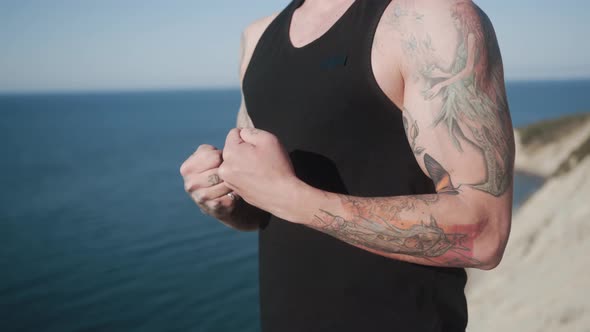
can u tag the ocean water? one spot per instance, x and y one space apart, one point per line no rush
97 233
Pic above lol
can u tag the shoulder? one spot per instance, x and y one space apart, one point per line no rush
250 36
255 29
436 8
443 17
434 28
407 17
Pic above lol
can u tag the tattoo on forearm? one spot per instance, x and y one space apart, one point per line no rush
377 225
471 91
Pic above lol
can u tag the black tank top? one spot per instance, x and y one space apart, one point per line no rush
343 135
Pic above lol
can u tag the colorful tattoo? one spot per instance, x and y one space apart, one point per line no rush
440 176
473 111
376 224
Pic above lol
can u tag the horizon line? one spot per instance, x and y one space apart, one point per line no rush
62 91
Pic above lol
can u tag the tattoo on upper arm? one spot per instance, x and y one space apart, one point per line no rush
440 176
471 91
437 173
411 127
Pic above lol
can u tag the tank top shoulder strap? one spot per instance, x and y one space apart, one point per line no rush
370 15
357 31
274 34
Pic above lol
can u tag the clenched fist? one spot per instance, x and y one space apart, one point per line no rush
202 182
257 167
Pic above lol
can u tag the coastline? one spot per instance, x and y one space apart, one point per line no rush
548 242
543 147
530 174
525 186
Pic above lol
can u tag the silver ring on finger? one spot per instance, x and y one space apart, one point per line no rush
233 196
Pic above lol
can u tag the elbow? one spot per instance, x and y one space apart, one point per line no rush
490 256
491 247
490 261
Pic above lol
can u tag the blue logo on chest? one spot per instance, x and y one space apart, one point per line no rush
334 61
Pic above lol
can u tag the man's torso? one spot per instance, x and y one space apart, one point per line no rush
333 95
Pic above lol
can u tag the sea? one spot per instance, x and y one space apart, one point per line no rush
97 233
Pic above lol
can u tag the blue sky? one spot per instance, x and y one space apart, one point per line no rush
147 44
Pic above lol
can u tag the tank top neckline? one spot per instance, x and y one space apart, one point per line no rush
296 5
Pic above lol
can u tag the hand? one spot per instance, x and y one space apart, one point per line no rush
432 92
437 73
202 182
257 167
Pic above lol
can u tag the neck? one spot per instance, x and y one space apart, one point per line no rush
325 5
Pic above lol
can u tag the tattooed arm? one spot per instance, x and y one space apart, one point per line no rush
461 137
454 77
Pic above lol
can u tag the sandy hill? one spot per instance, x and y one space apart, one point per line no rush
543 282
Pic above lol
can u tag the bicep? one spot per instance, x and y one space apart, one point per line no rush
459 127
243 119
249 39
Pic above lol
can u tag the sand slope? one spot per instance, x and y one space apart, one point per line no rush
543 282
544 159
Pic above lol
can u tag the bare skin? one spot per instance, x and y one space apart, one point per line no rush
439 62
200 171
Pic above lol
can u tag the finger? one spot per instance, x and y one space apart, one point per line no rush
205 195
202 161
255 136
219 205
202 180
234 144
233 137
205 147
225 173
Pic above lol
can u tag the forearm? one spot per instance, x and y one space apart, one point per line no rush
245 217
434 229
